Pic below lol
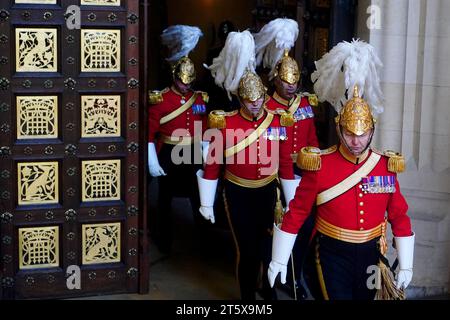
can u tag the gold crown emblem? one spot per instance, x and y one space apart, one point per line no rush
356 115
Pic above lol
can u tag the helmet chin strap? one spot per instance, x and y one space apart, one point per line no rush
339 130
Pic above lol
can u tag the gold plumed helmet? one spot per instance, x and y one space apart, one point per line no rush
287 69
184 70
356 116
251 87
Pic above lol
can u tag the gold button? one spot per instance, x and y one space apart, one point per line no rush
360 186
258 147
295 146
361 212
361 195
361 229
361 203
361 221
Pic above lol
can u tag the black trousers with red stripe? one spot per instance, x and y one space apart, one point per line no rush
251 214
344 268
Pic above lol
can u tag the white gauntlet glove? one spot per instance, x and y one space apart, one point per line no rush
207 189
405 253
153 163
282 245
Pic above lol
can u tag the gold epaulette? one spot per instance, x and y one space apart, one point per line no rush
396 162
156 96
286 118
309 159
312 99
216 118
205 96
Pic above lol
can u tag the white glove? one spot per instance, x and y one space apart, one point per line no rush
282 245
208 213
405 253
205 148
153 163
274 269
289 187
207 189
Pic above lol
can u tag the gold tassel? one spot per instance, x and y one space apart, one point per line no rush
309 159
287 119
388 290
155 97
216 119
396 163
278 214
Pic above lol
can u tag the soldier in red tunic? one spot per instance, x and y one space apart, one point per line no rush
273 43
177 120
247 148
353 186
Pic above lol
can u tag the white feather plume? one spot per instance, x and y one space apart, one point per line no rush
273 39
180 40
236 57
346 65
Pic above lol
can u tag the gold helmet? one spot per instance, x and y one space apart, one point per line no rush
251 87
287 69
356 116
184 70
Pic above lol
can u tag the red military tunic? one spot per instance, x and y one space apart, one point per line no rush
354 209
303 132
171 101
256 165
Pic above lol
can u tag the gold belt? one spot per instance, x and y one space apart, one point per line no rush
249 183
353 236
294 157
178 140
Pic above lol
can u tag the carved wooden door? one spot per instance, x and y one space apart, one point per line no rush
69 170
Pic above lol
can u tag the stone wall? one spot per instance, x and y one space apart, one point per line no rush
412 39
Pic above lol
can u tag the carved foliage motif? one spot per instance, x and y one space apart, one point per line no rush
100 116
36 50
37 183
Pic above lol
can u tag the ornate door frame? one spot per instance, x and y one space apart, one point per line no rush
71 181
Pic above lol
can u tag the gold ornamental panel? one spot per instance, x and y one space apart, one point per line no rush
37 183
37 117
38 247
36 50
100 50
101 180
36 1
100 2
101 243
100 116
